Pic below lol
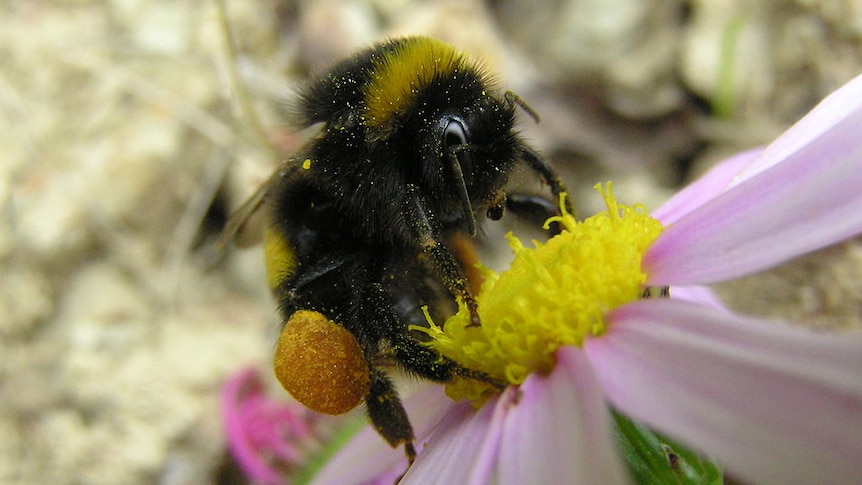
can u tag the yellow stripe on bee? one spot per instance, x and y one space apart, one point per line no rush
278 256
399 76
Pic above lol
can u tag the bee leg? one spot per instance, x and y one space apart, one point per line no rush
534 209
440 256
513 100
428 363
423 360
388 415
451 275
548 174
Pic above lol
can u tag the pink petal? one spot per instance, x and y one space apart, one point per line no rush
390 477
368 455
237 398
559 431
826 116
702 190
774 404
697 294
464 447
809 199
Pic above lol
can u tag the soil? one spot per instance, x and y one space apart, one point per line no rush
129 130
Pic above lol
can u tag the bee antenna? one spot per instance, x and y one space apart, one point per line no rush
463 195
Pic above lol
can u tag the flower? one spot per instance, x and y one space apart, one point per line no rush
267 438
773 403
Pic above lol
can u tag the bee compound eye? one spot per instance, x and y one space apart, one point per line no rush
455 141
321 364
454 134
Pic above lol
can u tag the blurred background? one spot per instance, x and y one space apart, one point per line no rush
129 129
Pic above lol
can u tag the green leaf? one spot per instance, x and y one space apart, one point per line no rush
654 459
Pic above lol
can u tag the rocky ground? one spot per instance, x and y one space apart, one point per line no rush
128 129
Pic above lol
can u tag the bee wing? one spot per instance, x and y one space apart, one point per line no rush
245 226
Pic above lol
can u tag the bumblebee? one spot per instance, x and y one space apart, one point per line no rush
376 217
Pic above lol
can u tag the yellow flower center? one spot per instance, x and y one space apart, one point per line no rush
555 294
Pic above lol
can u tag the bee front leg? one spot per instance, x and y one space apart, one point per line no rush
548 174
443 261
535 210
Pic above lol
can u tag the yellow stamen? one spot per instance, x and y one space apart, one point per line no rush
555 294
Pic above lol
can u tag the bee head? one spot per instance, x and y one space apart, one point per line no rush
465 151
438 113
